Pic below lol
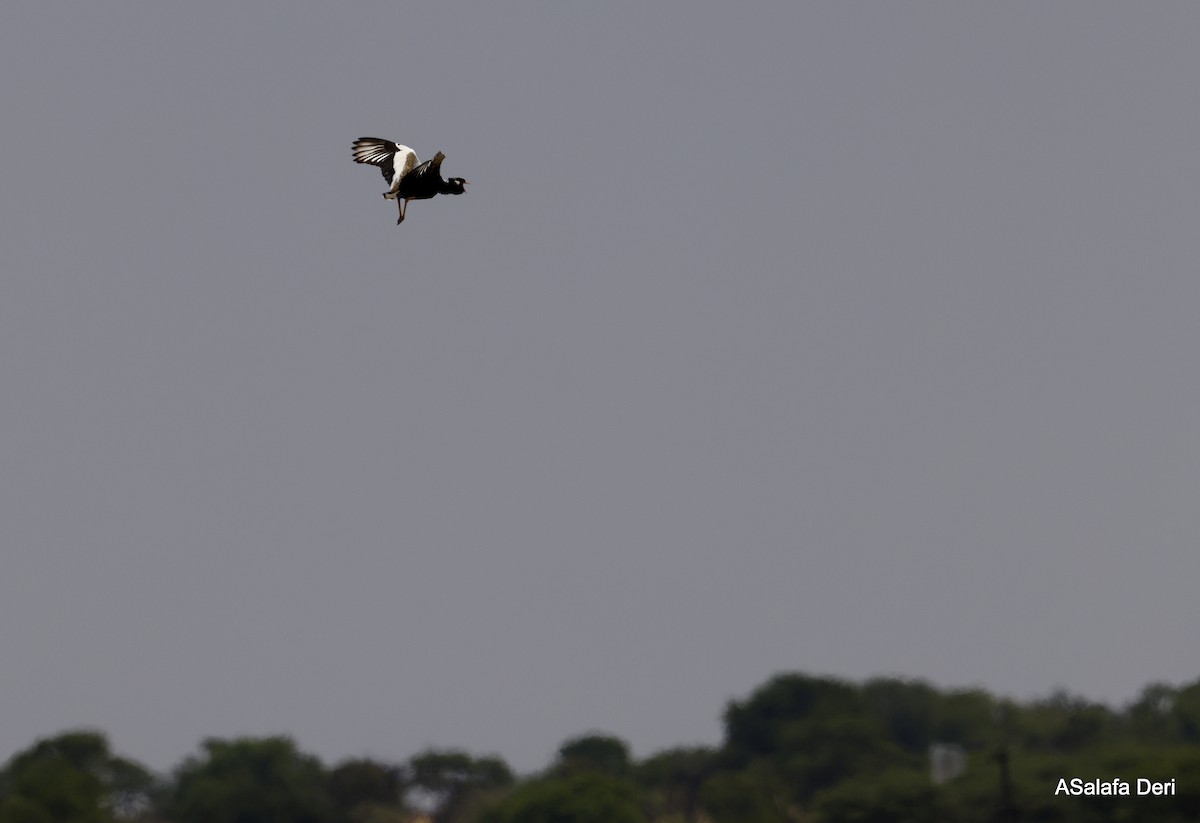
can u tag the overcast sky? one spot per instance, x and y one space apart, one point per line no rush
851 338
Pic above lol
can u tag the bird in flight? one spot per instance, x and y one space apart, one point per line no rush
407 178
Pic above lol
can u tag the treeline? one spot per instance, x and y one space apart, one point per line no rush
799 749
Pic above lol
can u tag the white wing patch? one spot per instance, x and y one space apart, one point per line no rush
410 161
390 157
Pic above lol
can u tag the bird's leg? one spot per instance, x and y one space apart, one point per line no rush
400 205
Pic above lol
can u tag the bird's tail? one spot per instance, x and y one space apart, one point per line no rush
389 195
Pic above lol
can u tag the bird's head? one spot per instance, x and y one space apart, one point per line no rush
455 185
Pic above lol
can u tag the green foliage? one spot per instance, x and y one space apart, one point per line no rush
1186 713
585 797
18 809
72 778
753 727
1152 716
596 752
967 717
673 779
451 770
799 749
64 791
1062 722
906 709
456 780
755 794
358 788
251 780
898 796
683 765
822 751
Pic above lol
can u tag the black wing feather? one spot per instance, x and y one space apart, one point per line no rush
377 152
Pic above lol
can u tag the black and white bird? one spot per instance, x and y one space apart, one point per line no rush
407 177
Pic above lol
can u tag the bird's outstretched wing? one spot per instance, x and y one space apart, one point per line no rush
390 157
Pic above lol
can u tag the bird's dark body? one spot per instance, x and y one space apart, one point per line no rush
424 181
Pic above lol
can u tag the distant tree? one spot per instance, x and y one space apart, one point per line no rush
72 778
132 789
18 809
677 777
454 779
819 752
969 717
1186 713
1152 715
57 789
1062 722
753 726
905 710
755 793
596 752
583 797
251 780
891 797
361 787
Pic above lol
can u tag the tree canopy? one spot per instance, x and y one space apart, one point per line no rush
797 749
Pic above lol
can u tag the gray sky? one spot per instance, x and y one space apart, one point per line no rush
850 338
